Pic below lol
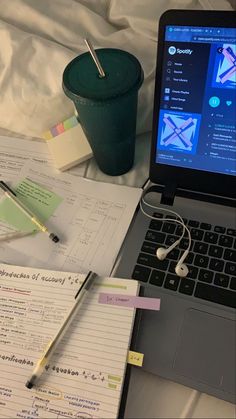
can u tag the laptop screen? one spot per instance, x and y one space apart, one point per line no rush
197 123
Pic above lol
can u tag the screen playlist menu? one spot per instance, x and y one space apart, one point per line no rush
197 126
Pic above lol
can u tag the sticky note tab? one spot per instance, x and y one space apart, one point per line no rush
40 201
54 131
70 122
129 301
60 128
70 148
135 358
47 135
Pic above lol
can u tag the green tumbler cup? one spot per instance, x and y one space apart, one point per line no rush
107 106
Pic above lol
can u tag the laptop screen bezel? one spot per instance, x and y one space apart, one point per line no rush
184 178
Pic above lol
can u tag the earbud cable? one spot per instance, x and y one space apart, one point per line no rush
173 220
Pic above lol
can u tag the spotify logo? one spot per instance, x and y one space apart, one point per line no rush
172 50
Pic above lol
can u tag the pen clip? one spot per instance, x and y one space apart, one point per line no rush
6 188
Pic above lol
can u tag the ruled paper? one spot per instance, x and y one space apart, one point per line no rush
85 376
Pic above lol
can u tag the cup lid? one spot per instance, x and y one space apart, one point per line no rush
81 78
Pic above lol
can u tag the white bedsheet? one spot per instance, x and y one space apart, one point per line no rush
38 38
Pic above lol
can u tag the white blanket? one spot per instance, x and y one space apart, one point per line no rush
39 37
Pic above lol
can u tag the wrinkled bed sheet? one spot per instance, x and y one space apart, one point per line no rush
39 37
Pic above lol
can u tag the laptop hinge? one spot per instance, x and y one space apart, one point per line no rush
168 195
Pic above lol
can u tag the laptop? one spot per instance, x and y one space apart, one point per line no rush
192 340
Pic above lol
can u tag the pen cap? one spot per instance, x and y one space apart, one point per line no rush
90 280
6 188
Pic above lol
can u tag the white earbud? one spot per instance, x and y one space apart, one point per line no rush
162 252
181 269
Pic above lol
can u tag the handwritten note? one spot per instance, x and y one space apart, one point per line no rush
84 378
130 301
39 200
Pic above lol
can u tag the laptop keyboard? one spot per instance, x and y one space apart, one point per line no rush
211 260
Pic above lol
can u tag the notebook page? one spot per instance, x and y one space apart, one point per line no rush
85 376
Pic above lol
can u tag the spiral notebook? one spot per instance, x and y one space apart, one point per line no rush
85 376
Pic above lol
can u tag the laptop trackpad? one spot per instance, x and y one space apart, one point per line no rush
206 350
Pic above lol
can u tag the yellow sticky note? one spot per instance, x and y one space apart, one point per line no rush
135 358
47 135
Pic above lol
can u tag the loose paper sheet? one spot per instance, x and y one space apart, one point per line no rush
15 152
91 221
92 216
85 376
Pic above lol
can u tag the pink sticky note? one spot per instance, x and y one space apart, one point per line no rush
130 301
60 128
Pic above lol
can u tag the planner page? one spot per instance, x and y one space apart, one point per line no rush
84 377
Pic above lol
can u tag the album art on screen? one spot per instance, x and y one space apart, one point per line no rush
224 71
178 131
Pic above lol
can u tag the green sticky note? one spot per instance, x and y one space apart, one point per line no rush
40 201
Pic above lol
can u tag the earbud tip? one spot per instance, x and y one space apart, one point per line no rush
161 253
181 270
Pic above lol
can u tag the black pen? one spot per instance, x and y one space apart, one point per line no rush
11 194
40 366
